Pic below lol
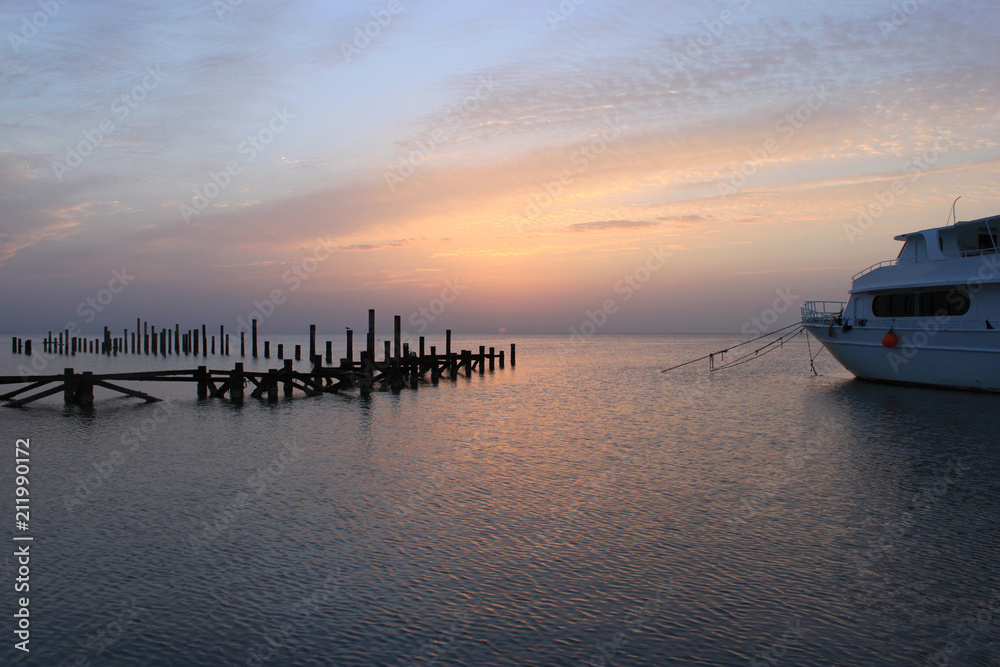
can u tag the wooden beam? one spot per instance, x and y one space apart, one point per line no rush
129 392
48 392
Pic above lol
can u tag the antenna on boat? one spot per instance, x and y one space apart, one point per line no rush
953 217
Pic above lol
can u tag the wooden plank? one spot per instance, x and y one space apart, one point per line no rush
20 379
48 392
129 392
30 387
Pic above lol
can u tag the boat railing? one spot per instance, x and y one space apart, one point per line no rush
879 265
822 312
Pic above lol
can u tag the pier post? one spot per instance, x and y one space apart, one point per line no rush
222 340
84 394
492 357
69 386
312 341
267 349
298 353
371 336
288 378
202 384
145 338
329 351
281 350
243 343
177 338
501 359
397 336
204 341
482 359
253 338
350 348
513 359
272 386
194 338
236 382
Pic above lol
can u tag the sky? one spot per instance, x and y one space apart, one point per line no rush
528 166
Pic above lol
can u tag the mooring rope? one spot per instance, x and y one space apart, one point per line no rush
756 354
712 356
813 357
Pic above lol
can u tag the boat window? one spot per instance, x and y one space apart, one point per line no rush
940 303
987 242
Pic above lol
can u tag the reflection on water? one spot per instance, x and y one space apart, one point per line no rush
579 509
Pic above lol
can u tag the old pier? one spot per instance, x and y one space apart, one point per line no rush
399 367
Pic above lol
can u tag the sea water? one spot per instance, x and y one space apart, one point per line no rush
580 509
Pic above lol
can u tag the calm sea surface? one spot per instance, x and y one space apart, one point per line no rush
580 509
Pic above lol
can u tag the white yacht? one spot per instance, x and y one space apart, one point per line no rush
931 316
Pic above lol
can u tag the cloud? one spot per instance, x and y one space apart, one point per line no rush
610 224
366 247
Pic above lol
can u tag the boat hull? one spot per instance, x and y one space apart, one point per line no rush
922 356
